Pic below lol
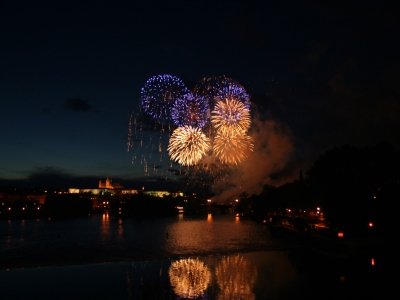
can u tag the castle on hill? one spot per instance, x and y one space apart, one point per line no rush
108 184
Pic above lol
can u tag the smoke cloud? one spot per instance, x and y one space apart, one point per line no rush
273 149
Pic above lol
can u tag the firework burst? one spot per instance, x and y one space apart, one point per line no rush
159 94
188 145
231 115
190 109
221 87
232 147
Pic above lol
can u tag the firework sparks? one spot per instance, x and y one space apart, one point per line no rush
189 277
205 129
159 94
190 109
188 145
221 87
148 141
231 115
232 147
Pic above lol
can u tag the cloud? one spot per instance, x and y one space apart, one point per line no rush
77 104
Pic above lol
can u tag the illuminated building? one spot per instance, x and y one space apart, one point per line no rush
108 184
160 194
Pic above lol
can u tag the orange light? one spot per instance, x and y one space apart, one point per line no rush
340 234
372 262
264 221
370 224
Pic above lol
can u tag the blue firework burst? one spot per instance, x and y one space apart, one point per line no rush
159 94
190 109
216 88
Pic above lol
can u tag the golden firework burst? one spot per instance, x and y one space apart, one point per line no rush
187 145
232 146
231 115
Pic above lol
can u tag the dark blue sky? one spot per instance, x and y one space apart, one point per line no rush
71 75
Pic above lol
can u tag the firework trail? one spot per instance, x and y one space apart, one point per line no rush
148 141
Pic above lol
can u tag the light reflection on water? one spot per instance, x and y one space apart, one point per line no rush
250 276
105 231
238 276
205 257
107 238
215 234
189 277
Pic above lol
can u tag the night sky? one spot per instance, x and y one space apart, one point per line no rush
321 74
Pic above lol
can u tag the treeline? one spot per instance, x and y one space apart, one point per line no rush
55 206
351 185
141 205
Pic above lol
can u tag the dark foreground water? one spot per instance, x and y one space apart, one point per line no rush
209 257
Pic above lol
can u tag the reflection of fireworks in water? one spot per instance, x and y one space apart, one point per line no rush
189 277
190 109
232 147
159 94
236 277
221 87
231 115
188 145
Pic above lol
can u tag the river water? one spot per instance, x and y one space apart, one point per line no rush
213 256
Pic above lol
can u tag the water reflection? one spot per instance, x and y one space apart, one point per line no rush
120 231
214 234
236 277
209 218
105 231
257 275
22 238
189 277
